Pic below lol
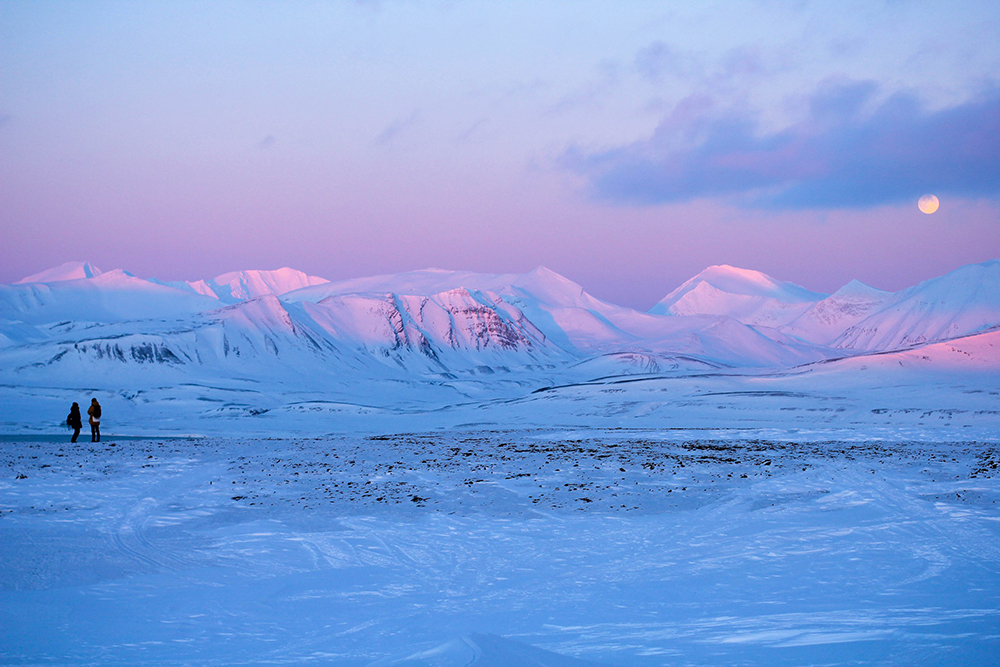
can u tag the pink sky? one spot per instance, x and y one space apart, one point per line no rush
180 142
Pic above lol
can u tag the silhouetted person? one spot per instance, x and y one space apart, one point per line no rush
95 420
75 421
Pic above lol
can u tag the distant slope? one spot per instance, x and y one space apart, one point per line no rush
747 296
67 271
239 286
963 302
114 296
827 319
258 340
242 285
976 353
541 284
342 339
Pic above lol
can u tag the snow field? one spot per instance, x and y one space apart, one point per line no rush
618 547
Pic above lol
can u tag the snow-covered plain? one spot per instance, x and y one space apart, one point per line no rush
615 547
447 468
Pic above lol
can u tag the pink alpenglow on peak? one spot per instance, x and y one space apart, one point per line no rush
111 296
67 271
750 297
243 285
543 283
457 319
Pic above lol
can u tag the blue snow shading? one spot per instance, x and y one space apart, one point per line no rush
531 547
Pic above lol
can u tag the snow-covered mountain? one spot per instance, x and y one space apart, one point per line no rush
458 345
239 286
828 318
456 329
67 271
119 328
114 296
568 315
540 285
583 325
748 296
963 302
261 326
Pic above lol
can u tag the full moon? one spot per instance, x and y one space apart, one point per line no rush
928 204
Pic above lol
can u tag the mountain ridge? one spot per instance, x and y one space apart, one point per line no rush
724 314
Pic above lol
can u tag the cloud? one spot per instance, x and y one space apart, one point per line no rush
472 130
393 129
660 63
660 60
592 93
847 152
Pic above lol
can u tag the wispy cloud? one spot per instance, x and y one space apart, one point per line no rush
395 128
661 63
593 92
469 133
846 152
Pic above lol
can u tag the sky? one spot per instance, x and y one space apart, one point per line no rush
626 145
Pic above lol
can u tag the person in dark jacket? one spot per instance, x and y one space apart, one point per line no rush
75 421
95 420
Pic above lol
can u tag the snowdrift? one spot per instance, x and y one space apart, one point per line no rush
482 650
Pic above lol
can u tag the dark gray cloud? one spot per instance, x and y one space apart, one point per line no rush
848 152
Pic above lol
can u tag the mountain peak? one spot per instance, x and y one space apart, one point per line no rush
253 283
69 271
544 271
748 282
856 288
746 295
830 317
962 302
